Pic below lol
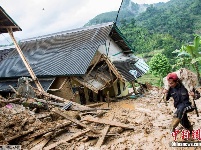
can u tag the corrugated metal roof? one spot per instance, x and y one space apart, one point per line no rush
63 54
68 53
7 21
4 84
4 52
131 69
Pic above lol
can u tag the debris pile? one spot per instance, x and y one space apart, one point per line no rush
126 124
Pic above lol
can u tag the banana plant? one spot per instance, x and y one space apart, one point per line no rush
193 52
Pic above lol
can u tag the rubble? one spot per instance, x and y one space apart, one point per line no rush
127 124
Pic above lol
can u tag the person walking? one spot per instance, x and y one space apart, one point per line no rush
181 102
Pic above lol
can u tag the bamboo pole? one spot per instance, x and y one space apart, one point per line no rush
39 86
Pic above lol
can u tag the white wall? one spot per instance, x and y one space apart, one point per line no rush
113 48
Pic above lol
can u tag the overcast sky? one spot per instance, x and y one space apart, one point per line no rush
40 17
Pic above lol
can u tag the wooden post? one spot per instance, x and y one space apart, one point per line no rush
108 98
40 88
133 85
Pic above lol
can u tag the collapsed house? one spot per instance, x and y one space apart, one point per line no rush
63 62
90 60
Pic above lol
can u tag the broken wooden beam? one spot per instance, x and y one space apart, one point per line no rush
104 133
21 134
41 142
42 131
73 136
74 106
59 112
95 104
105 121
10 101
25 61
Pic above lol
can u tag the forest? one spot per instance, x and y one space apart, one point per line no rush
167 29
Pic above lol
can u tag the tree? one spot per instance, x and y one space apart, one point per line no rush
192 51
159 66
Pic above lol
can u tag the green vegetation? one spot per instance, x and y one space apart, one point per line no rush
150 78
159 66
161 28
192 53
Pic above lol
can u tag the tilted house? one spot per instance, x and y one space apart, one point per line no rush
96 57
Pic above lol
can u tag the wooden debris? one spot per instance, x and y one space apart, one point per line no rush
42 131
74 106
108 98
20 134
104 133
10 101
66 139
74 120
41 142
105 121
95 104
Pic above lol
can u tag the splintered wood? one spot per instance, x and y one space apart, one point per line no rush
104 132
126 124
39 130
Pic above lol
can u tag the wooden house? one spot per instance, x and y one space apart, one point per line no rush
95 59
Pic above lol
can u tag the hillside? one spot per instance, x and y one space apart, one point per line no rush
128 11
161 26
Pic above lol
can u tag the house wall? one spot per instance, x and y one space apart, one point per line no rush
123 88
114 89
65 92
114 49
114 52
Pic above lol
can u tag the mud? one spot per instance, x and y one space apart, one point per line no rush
150 119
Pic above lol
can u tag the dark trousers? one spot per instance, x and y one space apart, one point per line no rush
185 122
181 113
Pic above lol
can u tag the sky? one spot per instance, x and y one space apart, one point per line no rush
41 17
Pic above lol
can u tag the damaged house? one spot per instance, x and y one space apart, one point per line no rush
90 61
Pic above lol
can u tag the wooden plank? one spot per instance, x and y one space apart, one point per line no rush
133 85
75 105
101 139
21 134
66 139
95 105
74 120
113 68
40 132
10 101
93 66
104 133
8 27
41 142
26 63
105 121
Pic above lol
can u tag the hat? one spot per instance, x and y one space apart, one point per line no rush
172 76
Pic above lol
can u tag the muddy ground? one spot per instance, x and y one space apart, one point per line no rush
147 118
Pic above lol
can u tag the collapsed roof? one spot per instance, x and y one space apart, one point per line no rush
67 53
